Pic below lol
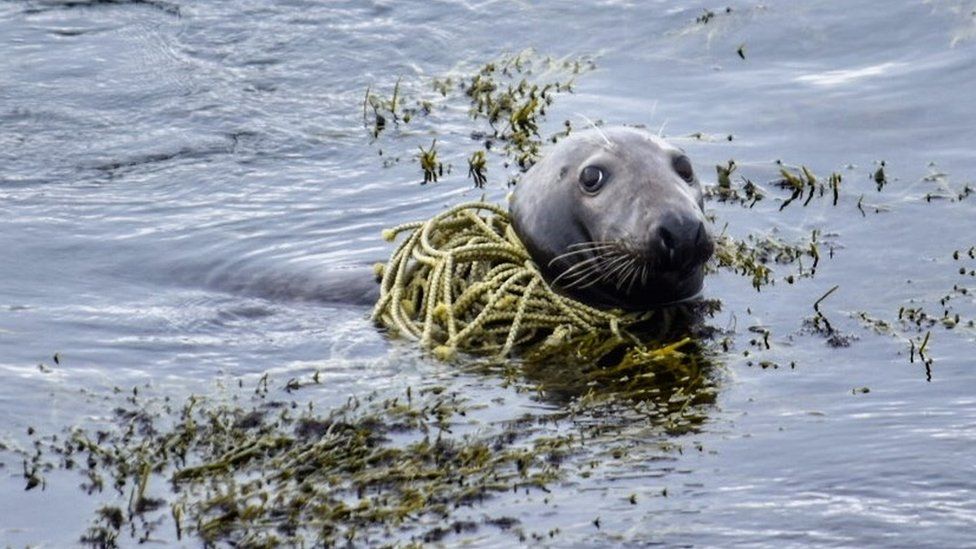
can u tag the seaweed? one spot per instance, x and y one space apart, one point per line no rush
506 104
369 471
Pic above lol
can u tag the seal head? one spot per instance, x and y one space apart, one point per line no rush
614 217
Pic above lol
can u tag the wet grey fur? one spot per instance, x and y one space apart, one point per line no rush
645 211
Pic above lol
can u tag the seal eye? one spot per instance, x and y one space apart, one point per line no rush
592 178
682 166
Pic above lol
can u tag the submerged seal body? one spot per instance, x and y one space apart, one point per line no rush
614 217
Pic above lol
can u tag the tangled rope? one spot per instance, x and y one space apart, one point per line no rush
464 281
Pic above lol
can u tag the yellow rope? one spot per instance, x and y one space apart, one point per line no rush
464 281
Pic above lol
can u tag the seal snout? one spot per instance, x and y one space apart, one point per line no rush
680 243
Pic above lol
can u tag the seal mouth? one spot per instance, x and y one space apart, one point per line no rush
611 274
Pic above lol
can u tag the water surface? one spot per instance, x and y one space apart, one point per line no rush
176 177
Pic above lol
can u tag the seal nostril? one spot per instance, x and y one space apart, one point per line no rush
666 247
667 238
681 244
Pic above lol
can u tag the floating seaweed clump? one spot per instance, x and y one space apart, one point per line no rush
798 182
663 385
754 256
506 103
269 476
372 471
503 94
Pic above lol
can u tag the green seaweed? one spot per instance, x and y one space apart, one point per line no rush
431 167
365 472
506 104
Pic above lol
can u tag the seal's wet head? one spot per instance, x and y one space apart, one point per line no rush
613 217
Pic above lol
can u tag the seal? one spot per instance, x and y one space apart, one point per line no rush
613 217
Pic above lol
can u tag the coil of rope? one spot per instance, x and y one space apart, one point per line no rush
463 281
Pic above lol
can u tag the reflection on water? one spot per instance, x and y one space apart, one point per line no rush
174 177
667 380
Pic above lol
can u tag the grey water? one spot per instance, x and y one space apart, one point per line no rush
176 178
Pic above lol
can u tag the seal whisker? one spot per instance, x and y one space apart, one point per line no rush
605 243
597 129
635 275
613 266
579 277
592 264
592 246
579 251
614 274
582 262
566 255
586 265
628 275
593 268
603 253
584 250
624 273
